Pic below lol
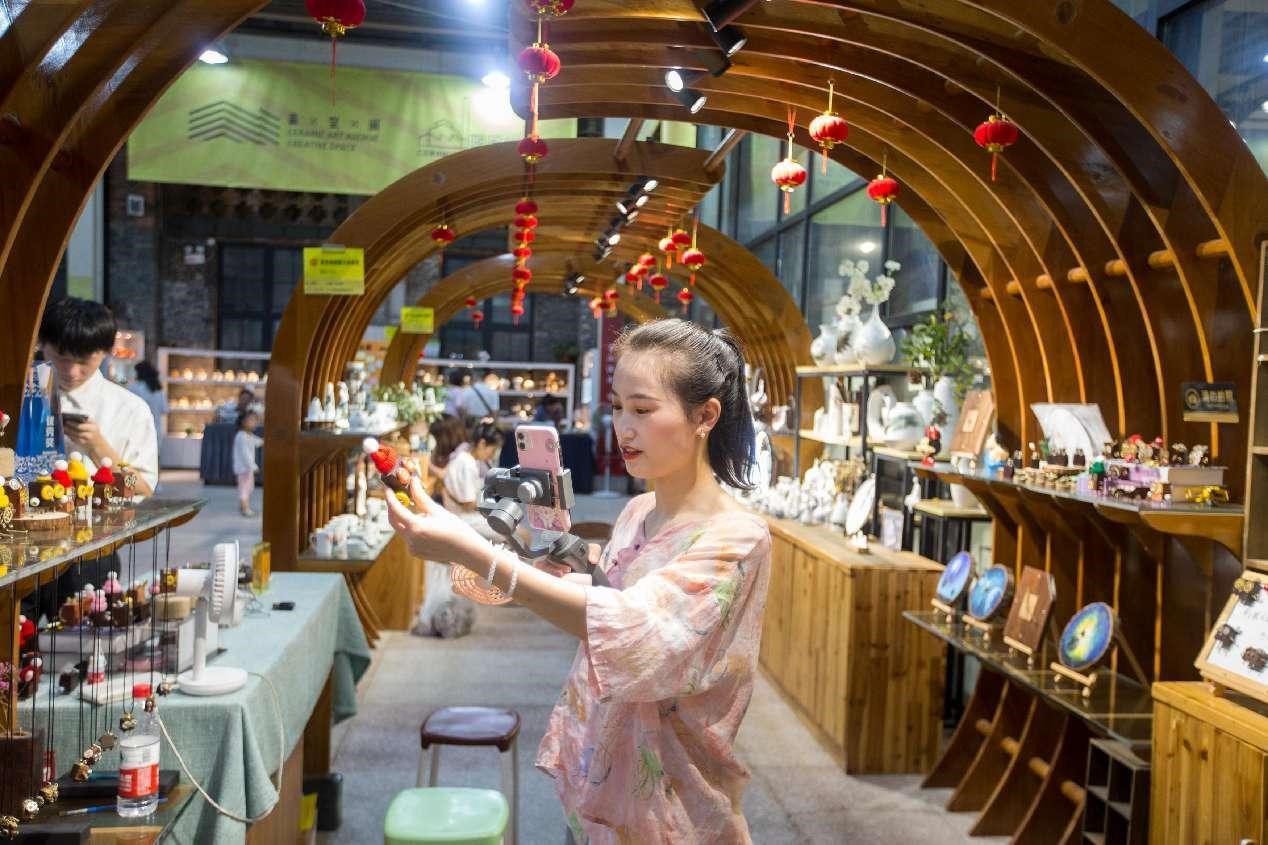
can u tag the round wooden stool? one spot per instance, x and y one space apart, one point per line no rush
475 726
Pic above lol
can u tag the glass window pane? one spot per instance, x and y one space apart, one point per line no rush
460 339
1223 44
242 278
792 260
828 183
765 252
758 196
916 284
242 334
287 264
510 345
848 229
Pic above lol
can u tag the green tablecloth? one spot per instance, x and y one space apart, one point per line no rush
230 742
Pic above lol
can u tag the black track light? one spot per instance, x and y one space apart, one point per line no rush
572 284
730 40
719 13
691 99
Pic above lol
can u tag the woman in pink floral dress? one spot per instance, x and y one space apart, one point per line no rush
641 742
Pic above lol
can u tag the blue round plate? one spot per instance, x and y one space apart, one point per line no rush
955 577
991 593
1087 637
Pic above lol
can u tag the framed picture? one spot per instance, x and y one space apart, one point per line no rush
974 424
1236 652
1028 618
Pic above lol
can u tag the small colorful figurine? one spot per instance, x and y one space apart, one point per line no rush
1226 635
1256 658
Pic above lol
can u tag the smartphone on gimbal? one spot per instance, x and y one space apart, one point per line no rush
538 448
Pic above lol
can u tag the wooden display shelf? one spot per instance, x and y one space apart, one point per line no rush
1222 524
947 509
857 370
386 588
315 445
834 643
205 382
1210 756
854 442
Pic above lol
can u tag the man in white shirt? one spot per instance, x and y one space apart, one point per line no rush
481 399
100 418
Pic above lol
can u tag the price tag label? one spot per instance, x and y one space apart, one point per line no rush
334 271
418 320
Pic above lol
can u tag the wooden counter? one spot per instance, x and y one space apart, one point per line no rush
1209 760
836 644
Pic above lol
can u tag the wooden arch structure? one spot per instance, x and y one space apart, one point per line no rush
747 297
577 188
1114 257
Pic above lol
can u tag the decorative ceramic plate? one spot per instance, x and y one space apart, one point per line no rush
1087 637
991 594
955 578
860 507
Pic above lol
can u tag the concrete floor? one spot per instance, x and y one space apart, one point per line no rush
798 793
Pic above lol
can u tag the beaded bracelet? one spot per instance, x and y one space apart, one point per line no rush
515 574
493 564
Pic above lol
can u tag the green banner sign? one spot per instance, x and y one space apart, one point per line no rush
271 125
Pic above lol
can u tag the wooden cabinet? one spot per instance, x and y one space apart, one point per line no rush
835 642
1210 758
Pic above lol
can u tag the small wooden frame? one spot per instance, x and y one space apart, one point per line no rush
1029 616
1223 660
973 425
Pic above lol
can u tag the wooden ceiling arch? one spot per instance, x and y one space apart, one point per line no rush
1115 257
576 187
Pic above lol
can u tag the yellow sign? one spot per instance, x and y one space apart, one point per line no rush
334 271
271 125
417 320
389 332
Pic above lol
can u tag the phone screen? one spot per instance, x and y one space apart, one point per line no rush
538 447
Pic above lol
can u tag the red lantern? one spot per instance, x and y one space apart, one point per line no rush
996 134
883 190
596 306
609 308
659 282
681 238
522 254
611 294
532 149
789 174
549 7
526 221
634 280
829 129
693 259
336 18
442 236
521 276
476 316
470 302
517 311
539 64
525 236
646 260
669 247
685 296
525 206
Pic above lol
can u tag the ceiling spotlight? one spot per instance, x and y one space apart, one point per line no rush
674 81
497 80
719 13
212 56
730 40
641 201
691 99
622 207
632 216
573 283
650 185
614 238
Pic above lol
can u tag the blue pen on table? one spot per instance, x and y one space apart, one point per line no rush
101 808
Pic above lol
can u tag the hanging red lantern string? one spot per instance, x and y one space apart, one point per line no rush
883 190
668 246
659 282
539 64
685 296
526 206
517 311
532 149
789 174
336 18
476 317
693 259
556 8
996 134
520 277
829 129
525 236
443 235
526 221
522 254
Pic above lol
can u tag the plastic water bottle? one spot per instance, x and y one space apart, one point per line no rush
139 760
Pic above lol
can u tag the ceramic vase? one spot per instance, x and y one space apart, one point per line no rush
872 341
823 348
944 392
924 402
959 493
904 427
844 355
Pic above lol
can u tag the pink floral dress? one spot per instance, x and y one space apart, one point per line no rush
640 743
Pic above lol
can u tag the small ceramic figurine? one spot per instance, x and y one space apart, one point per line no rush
1010 467
1034 456
1179 455
1079 459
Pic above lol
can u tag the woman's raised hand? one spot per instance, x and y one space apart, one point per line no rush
433 533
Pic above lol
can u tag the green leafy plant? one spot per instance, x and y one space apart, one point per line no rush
941 346
417 404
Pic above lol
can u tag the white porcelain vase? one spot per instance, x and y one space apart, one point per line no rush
824 347
872 341
944 392
925 402
904 427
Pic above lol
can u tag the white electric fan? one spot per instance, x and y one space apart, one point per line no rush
216 589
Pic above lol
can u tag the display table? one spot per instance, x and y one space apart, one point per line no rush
231 742
835 642
947 528
1209 759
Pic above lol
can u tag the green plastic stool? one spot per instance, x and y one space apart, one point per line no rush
448 815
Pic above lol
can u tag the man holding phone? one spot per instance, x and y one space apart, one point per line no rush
100 418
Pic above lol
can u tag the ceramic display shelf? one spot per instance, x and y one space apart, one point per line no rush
317 444
109 531
1220 524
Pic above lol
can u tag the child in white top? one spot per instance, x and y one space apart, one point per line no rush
245 443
